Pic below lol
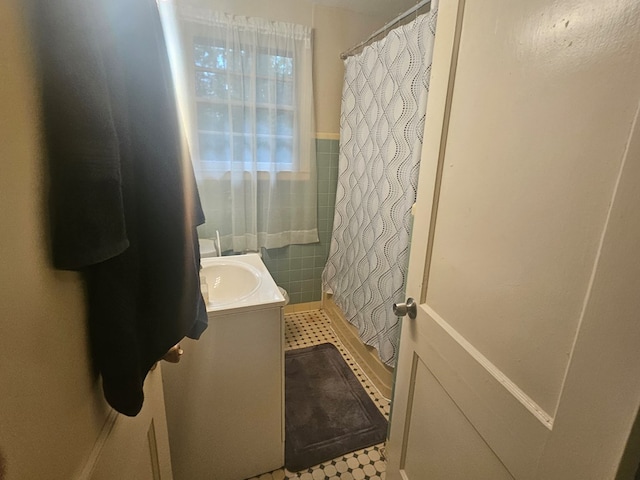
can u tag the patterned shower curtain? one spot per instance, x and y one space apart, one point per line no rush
384 102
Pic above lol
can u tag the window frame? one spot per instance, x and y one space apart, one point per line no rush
297 167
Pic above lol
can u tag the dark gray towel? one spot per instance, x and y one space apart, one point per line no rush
87 214
123 201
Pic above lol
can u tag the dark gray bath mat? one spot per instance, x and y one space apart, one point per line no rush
327 411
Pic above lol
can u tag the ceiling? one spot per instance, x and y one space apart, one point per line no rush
388 9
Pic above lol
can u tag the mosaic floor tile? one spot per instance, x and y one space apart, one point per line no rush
304 329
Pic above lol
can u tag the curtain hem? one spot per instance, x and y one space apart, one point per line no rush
252 242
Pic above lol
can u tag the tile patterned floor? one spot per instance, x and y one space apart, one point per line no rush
304 329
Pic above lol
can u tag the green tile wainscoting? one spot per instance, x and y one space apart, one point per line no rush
298 268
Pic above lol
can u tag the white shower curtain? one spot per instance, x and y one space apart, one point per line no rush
382 120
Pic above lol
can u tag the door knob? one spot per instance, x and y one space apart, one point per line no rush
402 309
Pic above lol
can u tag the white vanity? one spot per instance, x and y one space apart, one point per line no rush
225 399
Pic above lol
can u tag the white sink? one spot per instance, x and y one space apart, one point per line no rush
238 283
229 281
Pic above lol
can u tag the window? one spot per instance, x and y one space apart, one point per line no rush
245 92
238 114
248 91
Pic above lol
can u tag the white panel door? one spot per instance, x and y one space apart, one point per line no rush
522 362
134 448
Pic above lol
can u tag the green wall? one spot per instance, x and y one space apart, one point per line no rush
298 268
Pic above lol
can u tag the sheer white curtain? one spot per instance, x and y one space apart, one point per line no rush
246 99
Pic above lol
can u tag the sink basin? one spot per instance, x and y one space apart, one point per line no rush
238 283
229 281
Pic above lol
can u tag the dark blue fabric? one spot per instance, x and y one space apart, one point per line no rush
123 201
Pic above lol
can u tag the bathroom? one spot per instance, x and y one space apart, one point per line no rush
52 411
298 267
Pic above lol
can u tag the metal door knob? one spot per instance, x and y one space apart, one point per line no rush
410 308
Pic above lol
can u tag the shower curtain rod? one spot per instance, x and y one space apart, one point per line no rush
386 27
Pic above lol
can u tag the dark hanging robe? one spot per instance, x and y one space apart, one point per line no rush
123 202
